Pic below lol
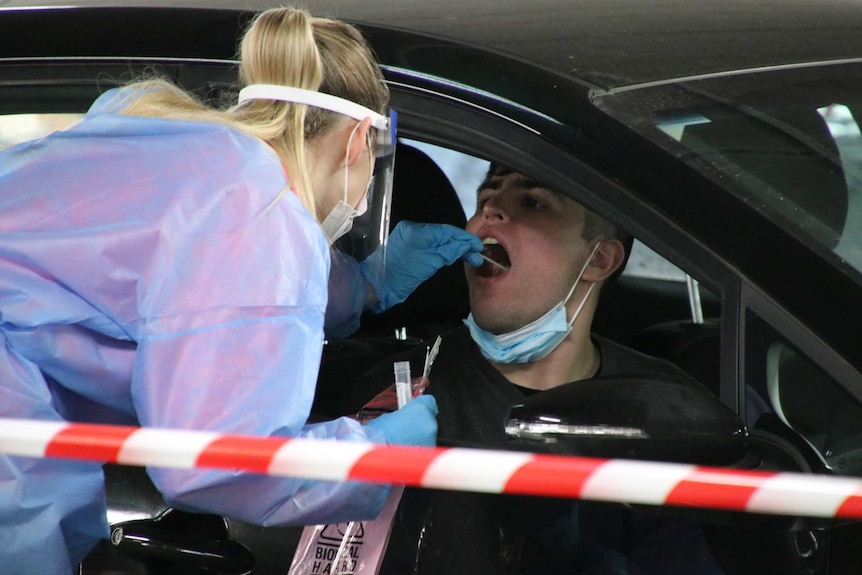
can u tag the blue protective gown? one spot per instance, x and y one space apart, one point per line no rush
344 307
147 277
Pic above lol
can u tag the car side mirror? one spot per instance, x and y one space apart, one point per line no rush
650 418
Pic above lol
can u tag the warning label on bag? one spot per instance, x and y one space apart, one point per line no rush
354 548
337 549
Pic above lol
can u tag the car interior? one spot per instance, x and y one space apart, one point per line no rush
800 418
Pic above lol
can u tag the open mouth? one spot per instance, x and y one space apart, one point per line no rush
496 259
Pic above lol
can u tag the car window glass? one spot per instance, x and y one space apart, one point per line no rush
784 382
785 141
17 128
844 128
646 263
464 171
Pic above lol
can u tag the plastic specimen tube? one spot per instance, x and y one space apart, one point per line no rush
403 388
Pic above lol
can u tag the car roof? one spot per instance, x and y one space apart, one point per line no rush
605 43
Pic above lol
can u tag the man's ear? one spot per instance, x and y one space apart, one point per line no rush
608 257
359 143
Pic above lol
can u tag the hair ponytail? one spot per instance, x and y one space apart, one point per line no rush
279 48
287 47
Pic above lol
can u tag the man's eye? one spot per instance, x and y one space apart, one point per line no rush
533 203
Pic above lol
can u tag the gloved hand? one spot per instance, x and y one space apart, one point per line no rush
414 253
413 424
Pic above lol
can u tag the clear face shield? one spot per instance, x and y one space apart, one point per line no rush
369 229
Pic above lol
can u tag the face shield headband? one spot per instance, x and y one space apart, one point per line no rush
371 229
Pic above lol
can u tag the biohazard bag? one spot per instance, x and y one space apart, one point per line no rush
358 547
350 548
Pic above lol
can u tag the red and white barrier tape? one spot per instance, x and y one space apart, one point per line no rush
444 468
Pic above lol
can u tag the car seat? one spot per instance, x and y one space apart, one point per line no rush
810 403
693 347
423 193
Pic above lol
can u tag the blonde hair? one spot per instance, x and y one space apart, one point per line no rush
289 47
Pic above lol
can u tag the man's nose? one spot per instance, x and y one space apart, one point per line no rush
494 208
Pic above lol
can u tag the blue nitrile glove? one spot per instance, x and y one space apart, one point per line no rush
414 253
413 424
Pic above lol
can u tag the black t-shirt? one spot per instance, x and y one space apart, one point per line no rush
474 398
455 533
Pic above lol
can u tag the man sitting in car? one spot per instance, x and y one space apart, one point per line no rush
530 330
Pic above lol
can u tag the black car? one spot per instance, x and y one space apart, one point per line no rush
722 135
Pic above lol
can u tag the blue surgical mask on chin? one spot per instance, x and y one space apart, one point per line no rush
535 340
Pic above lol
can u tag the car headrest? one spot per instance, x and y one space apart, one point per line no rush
423 193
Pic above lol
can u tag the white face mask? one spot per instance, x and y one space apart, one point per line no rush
538 338
339 221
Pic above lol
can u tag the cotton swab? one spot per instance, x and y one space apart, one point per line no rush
492 262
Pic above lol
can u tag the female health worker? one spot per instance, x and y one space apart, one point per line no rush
165 264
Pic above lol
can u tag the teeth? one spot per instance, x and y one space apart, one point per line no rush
490 241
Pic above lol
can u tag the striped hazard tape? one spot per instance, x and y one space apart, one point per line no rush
486 471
